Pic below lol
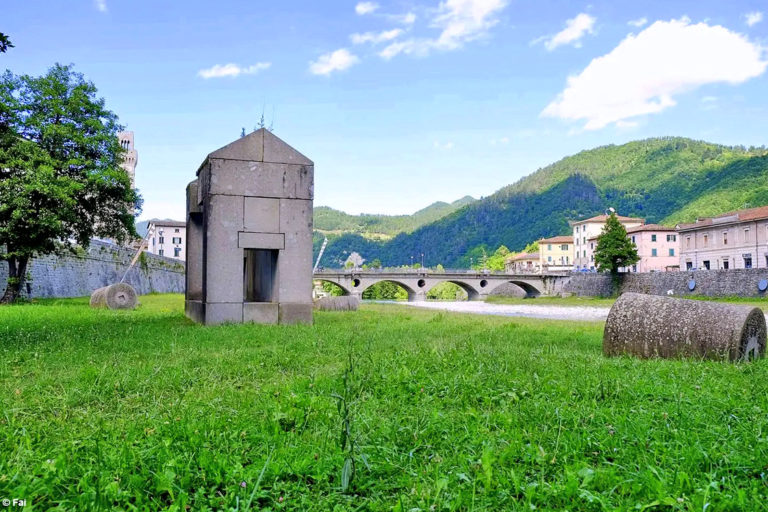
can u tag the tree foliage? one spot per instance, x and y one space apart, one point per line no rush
614 249
60 177
5 43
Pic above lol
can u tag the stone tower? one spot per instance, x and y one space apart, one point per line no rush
249 234
131 158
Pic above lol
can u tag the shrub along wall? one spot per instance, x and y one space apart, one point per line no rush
101 264
709 283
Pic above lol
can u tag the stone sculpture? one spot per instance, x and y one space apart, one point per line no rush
654 326
249 234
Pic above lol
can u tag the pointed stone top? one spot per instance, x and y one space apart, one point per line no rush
261 146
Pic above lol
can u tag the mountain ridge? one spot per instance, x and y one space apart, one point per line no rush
663 179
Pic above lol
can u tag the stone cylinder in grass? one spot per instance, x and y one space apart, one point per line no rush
115 296
343 303
650 326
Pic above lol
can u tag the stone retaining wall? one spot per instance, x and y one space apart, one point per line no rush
709 283
102 264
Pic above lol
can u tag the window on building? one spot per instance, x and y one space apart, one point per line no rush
706 238
549 259
564 247
687 242
584 240
176 252
688 265
160 252
162 240
567 258
176 230
177 240
549 247
653 238
671 238
591 257
671 252
577 229
633 239
585 253
634 268
706 264
153 241
747 261
746 235
725 264
653 252
725 238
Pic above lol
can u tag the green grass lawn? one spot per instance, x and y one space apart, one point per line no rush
554 301
144 410
608 301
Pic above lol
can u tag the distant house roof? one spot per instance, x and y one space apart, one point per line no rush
562 239
650 227
603 218
749 214
525 256
168 223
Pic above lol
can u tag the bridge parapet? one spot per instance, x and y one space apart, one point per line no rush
417 282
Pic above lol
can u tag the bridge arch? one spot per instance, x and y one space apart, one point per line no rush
344 290
410 291
472 293
530 290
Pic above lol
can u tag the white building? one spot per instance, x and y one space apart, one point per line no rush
168 238
584 233
732 240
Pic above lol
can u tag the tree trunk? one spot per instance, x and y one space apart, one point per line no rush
17 272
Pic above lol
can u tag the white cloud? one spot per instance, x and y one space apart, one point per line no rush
645 71
638 22
753 18
627 124
374 37
443 146
339 60
459 21
363 8
503 141
575 29
101 5
709 99
407 19
232 70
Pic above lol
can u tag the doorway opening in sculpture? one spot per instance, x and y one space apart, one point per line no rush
260 275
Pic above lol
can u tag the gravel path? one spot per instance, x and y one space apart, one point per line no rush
586 313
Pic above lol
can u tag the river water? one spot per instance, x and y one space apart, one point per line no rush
585 313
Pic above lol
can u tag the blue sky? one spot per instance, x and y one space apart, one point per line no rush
404 103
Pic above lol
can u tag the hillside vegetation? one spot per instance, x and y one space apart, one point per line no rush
664 180
328 220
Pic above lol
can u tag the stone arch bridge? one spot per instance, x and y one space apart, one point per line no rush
478 285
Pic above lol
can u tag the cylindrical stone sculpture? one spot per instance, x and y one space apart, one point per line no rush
654 326
343 303
115 296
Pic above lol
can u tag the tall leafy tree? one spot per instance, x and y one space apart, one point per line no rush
60 177
5 43
614 248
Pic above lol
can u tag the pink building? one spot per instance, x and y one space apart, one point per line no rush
657 246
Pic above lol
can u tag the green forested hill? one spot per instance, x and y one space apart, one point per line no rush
665 180
328 220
